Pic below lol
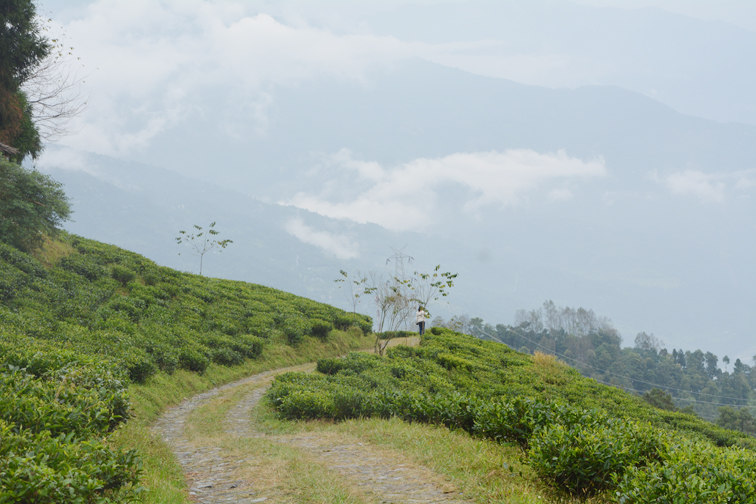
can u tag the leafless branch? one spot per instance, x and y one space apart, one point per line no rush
55 92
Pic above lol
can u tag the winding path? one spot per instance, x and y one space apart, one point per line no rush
379 475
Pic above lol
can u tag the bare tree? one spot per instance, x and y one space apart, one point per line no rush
353 288
55 90
394 306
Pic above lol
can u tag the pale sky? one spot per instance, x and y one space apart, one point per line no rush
200 86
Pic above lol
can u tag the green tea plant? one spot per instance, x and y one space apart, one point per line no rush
76 331
691 472
579 436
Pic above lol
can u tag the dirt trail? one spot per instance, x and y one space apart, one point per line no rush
378 475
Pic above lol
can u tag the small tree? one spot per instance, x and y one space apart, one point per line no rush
202 242
429 287
353 288
393 301
32 205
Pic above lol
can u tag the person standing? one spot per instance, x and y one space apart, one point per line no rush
420 320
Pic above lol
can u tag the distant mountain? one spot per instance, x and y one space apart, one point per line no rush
420 109
659 238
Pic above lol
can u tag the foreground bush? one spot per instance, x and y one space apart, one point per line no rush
586 458
693 473
579 436
42 468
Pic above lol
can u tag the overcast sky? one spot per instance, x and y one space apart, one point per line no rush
196 86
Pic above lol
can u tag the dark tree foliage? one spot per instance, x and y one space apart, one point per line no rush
737 419
25 135
691 380
32 205
22 48
659 399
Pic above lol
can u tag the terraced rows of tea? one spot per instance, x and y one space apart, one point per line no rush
96 342
81 322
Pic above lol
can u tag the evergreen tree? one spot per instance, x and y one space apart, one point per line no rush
22 48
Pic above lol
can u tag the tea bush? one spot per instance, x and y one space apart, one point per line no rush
578 435
321 328
694 473
55 407
122 274
585 458
72 336
40 468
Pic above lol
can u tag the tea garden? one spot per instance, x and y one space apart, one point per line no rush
583 438
80 321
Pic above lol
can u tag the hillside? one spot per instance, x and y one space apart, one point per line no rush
582 438
80 321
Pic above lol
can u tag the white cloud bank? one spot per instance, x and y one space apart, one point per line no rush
335 244
707 187
410 196
153 65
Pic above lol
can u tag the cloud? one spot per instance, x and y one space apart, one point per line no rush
155 65
708 187
560 195
696 183
65 159
410 196
335 244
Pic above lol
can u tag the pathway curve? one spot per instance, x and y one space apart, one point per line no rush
381 475
209 472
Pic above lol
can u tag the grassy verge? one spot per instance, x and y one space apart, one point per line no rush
482 470
280 472
162 475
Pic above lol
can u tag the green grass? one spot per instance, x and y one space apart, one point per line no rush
163 476
82 321
581 438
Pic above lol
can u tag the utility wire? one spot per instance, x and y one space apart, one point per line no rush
626 377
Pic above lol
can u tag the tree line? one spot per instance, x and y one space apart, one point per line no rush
677 379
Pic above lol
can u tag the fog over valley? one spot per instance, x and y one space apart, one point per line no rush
599 154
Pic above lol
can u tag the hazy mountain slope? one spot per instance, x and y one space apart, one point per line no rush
693 65
143 207
662 242
419 109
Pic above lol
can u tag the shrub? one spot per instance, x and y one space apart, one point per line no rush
32 205
321 328
227 357
306 404
355 332
151 278
122 274
260 325
294 330
585 459
250 346
693 473
23 262
138 365
192 359
62 469
83 265
518 419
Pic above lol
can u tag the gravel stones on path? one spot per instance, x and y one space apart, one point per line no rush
381 475
209 472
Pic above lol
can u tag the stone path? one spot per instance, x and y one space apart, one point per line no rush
208 472
380 475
